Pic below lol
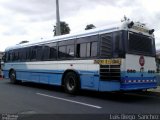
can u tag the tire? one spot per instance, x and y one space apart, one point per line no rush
12 76
71 83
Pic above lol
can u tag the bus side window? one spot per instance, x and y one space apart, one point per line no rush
94 46
78 50
53 52
28 54
33 53
45 52
62 51
70 51
83 49
88 49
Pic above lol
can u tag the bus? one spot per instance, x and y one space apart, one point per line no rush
1 64
158 66
118 57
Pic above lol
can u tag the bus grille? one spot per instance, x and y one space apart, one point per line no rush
110 72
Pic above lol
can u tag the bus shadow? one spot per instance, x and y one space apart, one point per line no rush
41 86
112 96
126 97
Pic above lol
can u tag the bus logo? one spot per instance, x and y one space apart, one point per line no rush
141 61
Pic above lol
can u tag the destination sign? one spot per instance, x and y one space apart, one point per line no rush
108 61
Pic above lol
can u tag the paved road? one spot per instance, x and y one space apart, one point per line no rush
31 98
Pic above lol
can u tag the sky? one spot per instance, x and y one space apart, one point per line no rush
34 20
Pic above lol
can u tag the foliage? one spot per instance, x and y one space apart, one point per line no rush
90 26
64 28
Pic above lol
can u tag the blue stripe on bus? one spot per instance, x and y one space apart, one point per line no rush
55 71
137 86
89 80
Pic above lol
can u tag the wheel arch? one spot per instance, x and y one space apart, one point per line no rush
12 69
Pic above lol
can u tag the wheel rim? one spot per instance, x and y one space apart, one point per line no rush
13 76
71 83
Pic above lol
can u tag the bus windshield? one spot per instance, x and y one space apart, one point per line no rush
141 44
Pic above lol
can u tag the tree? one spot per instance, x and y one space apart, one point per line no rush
24 41
90 26
64 28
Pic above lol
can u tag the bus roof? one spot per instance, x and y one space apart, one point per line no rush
110 28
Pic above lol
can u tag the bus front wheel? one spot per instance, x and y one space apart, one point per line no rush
71 83
12 76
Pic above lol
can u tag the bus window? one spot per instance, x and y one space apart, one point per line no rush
33 53
83 48
94 49
118 50
70 51
78 50
106 46
88 50
45 52
62 52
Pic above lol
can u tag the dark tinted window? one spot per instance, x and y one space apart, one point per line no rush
39 53
46 52
10 56
62 52
22 54
70 50
33 53
53 52
118 47
16 56
7 56
83 48
94 46
88 49
28 54
106 46
141 44
78 50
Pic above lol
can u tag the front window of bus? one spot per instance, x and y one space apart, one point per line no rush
141 44
118 46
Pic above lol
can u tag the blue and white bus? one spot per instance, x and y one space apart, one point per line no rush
114 58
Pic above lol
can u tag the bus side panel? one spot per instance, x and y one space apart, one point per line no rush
23 76
93 82
89 82
46 78
109 86
6 74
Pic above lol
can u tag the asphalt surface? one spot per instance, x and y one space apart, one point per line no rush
31 98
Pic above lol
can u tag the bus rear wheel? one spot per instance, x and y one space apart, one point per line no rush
71 83
12 76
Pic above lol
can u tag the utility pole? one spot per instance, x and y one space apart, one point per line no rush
58 27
